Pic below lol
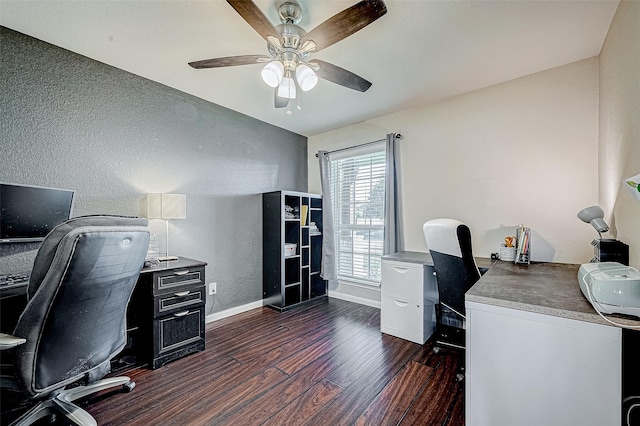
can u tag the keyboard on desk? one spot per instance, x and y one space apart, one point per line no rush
13 280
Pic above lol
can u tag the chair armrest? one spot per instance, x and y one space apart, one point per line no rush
8 341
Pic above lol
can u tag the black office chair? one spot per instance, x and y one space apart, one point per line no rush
75 319
449 242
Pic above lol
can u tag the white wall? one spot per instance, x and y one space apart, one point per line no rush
620 123
524 151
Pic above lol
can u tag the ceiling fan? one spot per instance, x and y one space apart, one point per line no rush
288 63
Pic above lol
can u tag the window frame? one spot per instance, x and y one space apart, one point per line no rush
377 175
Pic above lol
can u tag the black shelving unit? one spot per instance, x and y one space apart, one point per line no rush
292 277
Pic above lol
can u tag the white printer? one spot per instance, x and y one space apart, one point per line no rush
611 287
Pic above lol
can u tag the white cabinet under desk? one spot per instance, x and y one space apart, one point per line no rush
538 353
408 296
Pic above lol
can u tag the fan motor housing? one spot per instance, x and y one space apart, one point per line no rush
290 12
291 35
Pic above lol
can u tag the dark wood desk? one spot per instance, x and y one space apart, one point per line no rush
165 317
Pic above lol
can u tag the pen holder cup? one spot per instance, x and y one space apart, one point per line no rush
508 254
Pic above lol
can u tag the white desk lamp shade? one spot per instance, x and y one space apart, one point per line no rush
166 206
595 216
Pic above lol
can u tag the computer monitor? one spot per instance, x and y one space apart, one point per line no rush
28 213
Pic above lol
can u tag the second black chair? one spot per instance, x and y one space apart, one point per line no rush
449 242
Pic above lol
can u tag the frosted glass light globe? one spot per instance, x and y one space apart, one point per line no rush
272 73
307 78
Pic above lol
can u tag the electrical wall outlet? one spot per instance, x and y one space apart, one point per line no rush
213 288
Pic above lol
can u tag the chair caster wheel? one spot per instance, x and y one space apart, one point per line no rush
459 377
436 350
128 387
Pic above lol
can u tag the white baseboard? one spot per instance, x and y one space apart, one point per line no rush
233 311
258 304
354 299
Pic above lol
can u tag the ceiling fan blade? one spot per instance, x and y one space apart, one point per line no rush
335 74
345 23
279 101
229 61
254 17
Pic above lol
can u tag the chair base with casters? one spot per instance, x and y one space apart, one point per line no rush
448 336
61 403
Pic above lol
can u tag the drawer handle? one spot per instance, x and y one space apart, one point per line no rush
181 314
182 272
400 270
182 293
401 304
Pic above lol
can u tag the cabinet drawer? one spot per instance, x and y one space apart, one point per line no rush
407 320
404 281
170 281
179 300
179 329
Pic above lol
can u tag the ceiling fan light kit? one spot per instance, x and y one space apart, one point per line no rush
307 79
289 46
272 73
287 88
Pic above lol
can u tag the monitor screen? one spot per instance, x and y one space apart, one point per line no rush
28 213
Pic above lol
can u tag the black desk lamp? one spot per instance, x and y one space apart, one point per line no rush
605 250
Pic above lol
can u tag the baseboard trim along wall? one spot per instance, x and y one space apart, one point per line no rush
233 311
354 299
257 304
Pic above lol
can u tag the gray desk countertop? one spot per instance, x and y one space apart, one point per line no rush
545 288
410 257
425 258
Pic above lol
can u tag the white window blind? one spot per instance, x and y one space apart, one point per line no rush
357 184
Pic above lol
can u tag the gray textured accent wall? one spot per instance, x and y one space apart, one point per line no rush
69 121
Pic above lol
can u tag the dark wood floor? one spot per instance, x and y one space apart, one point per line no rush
326 364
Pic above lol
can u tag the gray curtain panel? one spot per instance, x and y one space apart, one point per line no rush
393 241
328 270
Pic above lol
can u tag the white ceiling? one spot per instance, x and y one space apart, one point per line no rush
419 52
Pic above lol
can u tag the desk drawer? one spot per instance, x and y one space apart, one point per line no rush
179 300
177 279
403 281
179 329
408 320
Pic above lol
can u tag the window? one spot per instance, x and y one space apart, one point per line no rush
357 184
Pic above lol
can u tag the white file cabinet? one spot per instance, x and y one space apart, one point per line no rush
409 296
